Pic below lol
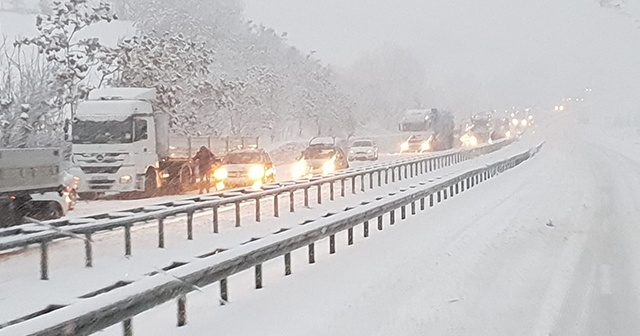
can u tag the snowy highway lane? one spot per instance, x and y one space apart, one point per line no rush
548 248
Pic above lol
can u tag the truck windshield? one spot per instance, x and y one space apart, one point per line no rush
242 158
102 132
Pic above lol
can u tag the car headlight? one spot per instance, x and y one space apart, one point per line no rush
473 141
369 151
524 122
404 146
328 168
125 179
298 169
351 151
425 146
221 173
508 134
256 172
514 121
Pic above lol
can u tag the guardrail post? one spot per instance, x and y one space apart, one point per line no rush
88 251
379 177
190 225
353 185
402 169
342 187
258 209
291 201
215 219
371 180
386 176
392 217
331 192
422 204
44 260
182 311
413 208
457 186
350 236
365 229
393 174
380 223
237 208
287 264
403 212
306 197
160 232
362 182
224 291
439 192
332 244
319 193
276 205
431 200
127 240
258 276
312 253
127 327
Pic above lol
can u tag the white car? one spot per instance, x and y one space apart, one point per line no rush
363 149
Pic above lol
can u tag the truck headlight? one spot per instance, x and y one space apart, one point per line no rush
425 146
328 168
256 172
221 173
404 147
125 179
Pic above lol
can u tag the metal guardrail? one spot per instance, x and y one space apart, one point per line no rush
24 235
121 302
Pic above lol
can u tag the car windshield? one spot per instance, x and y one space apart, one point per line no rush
362 143
102 132
242 158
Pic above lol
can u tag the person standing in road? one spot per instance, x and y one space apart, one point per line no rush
204 159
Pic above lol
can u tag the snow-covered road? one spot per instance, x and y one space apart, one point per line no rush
549 248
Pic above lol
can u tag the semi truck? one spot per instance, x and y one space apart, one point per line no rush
435 125
32 184
122 144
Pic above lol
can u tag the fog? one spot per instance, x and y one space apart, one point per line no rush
480 55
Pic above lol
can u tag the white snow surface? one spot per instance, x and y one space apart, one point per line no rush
548 248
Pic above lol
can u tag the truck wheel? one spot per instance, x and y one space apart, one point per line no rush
88 196
151 183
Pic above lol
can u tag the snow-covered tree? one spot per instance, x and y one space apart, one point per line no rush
73 58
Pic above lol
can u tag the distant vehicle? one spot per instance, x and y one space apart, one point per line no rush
122 144
320 157
31 184
243 168
501 129
479 131
363 149
437 125
416 144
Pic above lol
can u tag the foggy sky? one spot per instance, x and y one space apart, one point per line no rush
505 51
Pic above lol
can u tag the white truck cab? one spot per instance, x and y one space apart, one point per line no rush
116 140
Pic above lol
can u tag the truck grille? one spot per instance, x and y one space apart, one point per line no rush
100 170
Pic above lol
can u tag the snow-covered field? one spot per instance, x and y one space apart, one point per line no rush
548 248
